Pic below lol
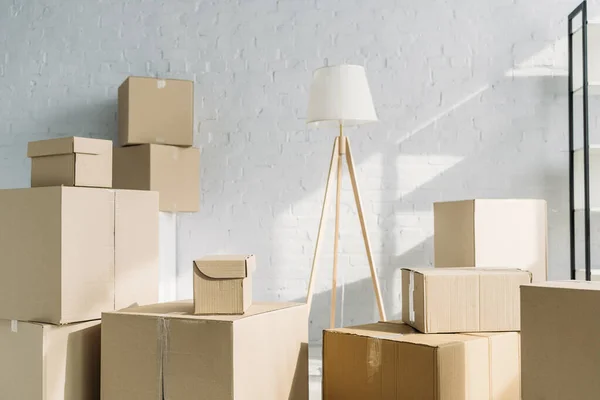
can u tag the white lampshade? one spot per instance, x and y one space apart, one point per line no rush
340 94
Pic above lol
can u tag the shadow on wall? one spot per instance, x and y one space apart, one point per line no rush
95 119
359 306
512 161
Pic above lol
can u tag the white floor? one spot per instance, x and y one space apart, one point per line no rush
315 371
315 388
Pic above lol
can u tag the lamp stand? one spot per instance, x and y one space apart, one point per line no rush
341 148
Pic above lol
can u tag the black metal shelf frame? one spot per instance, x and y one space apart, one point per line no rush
580 10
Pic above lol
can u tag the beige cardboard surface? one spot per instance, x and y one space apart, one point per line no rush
175 174
223 284
53 170
159 111
87 263
393 361
93 170
131 167
560 346
492 233
57 250
165 349
47 362
172 171
71 161
450 300
136 248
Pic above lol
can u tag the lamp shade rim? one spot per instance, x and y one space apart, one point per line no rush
342 65
343 122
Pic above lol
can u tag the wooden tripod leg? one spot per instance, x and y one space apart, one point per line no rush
363 226
313 272
336 236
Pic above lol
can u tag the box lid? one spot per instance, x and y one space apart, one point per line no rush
226 266
184 309
68 145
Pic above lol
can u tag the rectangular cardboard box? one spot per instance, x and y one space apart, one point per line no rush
71 161
157 111
223 284
391 361
560 340
462 299
165 351
49 362
488 233
69 253
172 171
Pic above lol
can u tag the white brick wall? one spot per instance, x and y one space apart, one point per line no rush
470 95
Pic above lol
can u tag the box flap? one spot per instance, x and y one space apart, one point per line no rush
68 145
226 266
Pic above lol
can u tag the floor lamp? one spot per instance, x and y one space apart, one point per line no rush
340 96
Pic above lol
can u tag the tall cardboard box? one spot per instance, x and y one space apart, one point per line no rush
560 340
223 284
438 300
172 171
388 361
49 362
71 161
490 233
69 253
164 351
157 111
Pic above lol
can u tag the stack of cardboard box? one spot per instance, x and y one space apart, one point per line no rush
458 338
220 346
70 248
156 121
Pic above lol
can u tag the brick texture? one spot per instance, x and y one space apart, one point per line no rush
470 95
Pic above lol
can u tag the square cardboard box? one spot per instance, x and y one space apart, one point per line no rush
70 253
492 233
392 361
165 351
173 172
159 111
49 362
559 336
223 284
72 161
436 300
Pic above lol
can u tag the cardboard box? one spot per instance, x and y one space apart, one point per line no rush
157 111
48 362
223 284
164 351
172 171
391 361
560 340
72 161
69 253
492 234
462 299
